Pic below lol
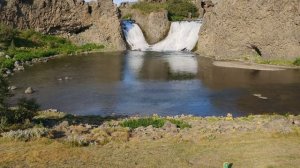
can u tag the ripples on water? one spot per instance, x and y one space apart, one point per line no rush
166 83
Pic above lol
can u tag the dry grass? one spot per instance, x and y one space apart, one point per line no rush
257 150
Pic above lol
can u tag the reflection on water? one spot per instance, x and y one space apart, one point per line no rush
166 83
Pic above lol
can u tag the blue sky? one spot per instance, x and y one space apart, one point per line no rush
116 1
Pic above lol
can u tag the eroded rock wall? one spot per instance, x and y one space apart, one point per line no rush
235 28
94 22
154 25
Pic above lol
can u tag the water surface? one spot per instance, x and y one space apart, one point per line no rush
166 83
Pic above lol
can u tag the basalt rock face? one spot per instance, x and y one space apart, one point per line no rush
235 28
154 25
94 22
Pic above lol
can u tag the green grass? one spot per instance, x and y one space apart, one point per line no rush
155 122
127 16
281 62
297 62
27 45
180 124
177 9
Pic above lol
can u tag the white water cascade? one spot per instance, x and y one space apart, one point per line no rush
182 36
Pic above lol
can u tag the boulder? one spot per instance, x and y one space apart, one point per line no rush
12 87
29 90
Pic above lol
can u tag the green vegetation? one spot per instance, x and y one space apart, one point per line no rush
6 36
259 60
143 122
177 9
27 45
15 118
154 121
127 16
180 9
297 62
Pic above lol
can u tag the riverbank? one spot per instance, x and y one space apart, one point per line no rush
24 47
253 141
254 63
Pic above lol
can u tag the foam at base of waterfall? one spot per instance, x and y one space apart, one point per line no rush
182 36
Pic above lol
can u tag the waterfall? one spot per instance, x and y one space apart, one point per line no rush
134 36
182 36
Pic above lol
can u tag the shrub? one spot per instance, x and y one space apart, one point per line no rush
27 109
6 35
27 134
177 9
180 9
297 62
4 92
77 140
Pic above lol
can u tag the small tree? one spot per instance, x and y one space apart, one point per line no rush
27 109
6 35
4 92
5 115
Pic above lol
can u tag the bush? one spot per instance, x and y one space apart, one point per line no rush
6 35
4 92
180 9
177 9
27 134
77 140
297 62
27 109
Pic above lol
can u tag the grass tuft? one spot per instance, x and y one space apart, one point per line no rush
27 134
154 121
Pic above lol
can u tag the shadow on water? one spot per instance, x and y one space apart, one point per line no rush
166 83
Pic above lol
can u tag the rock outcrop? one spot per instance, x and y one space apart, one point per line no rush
235 28
154 25
81 22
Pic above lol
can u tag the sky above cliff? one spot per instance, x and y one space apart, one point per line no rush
115 1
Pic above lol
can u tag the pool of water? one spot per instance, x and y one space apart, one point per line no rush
165 83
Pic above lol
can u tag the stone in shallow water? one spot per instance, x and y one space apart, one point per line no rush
12 87
29 90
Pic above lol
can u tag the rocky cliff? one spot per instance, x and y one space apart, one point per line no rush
234 28
94 22
155 25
